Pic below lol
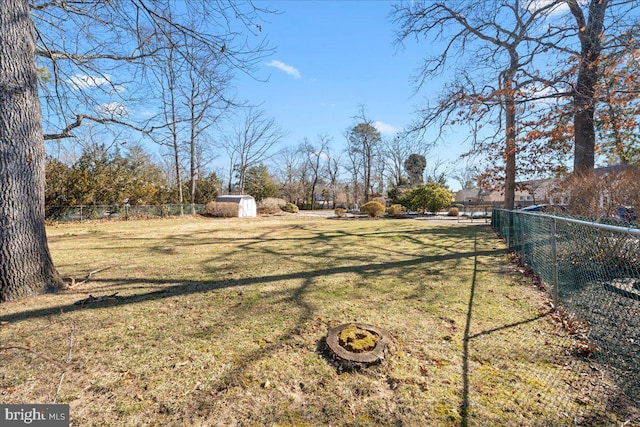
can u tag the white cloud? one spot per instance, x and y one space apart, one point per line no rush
323 156
385 128
84 81
541 95
292 71
535 5
112 109
558 9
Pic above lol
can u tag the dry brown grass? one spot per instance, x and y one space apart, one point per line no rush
222 320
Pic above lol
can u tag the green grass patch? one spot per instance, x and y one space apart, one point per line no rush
220 323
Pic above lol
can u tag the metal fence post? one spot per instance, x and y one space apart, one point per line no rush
522 241
509 220
554 262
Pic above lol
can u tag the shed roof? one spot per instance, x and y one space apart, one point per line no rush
233 198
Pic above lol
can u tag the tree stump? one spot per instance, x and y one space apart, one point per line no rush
353 346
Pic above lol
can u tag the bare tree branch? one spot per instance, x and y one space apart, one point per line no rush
80 118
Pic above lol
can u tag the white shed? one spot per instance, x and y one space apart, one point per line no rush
246 204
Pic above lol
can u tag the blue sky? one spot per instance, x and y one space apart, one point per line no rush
331 57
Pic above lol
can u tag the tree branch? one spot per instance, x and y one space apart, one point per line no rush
66 132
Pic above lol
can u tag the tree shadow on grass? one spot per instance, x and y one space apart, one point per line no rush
204 400
283 233
170 289
464 406
616 403
150 289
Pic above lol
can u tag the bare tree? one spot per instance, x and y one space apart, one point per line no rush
466 174
363 142
193 82
590 31
354 168
378 173
394 153
251 141
316 156
206 102
333 169
438 171
90 55
290 162
93 56
503 38
167 75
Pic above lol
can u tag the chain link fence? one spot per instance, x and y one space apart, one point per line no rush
95 212
592 271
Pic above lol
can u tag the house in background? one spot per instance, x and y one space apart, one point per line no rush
246 204
527 193
467 195
536 191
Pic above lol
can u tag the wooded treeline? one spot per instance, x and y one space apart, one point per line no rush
309 175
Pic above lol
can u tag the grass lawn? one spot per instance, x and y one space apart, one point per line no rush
220 322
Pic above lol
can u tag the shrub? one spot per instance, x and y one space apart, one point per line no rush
373 209
397 211
267 210
274 202
596 196
94 213
396 191
380 200
341 212
221 210
453 211
270 206
404 198
431 197
290 207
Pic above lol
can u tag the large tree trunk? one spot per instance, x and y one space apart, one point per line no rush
585 135
511 132
590 35
510 154
26 267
